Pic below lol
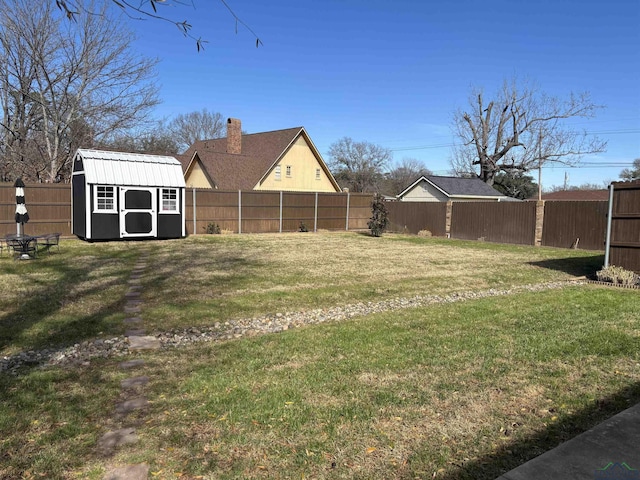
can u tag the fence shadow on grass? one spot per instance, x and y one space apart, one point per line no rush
512 455
576 266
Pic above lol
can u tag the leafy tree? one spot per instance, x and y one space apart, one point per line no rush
65 85
519 129
358 166
631 173
188 128
379 216
400 177
515 184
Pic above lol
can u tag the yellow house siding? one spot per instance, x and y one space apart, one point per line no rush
302 164
196 178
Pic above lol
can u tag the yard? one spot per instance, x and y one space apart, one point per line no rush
466 389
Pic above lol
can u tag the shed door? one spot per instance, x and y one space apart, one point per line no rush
138 212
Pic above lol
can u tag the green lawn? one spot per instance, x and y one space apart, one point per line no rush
464 390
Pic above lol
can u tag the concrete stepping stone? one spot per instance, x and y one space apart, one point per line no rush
132 294
116 438
132 309
146 342
132 321
134 382
132 405
131 364
135 332
130 472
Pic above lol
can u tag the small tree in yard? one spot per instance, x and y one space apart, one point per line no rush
380 216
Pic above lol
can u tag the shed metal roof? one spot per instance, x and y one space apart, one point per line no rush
131 169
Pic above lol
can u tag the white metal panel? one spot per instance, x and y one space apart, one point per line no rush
122 169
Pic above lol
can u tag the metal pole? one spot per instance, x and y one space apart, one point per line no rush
280 211
194 210
239 211
315 215
609 215
348 202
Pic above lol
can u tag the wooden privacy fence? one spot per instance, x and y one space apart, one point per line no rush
550 223
261 212
623 240
49 208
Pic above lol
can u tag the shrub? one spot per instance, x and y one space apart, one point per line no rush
380 216
213 228
424 233
617 275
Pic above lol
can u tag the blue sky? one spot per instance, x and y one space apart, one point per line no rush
393 72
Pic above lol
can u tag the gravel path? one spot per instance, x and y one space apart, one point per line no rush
82 353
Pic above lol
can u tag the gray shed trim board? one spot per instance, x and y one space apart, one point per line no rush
118 195
438 188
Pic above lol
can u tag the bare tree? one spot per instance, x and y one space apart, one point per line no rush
358 166
188 128
400 177
520 129
68 84
631 173
147 9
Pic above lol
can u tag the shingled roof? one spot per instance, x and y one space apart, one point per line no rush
457 187
243 171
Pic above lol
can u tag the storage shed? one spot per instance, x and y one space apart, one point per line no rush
117 195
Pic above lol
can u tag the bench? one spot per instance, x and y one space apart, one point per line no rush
49 240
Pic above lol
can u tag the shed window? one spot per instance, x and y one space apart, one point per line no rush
105 199
169 200
277 173
288 170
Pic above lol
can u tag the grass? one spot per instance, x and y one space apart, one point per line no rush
464 390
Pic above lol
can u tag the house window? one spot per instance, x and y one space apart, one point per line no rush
105 199
288 170
169 200
276 173
317 174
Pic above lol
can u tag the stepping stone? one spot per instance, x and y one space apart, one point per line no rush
147 342
132 405
132 321
130 472
132 309
134 382
111 440
132 294
131 364
135 332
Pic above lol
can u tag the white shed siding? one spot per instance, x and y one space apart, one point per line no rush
132 169
423 192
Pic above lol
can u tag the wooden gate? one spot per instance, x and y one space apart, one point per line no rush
623 231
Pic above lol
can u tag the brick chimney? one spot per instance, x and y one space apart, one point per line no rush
234 136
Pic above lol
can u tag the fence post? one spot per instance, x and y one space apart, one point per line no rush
280 211
447 219
539 222
315 215
195 217
348 201
607 245
239 211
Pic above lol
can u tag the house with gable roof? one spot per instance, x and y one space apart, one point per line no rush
280 160
432 188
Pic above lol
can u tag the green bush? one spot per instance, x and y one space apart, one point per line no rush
380 216
618 276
